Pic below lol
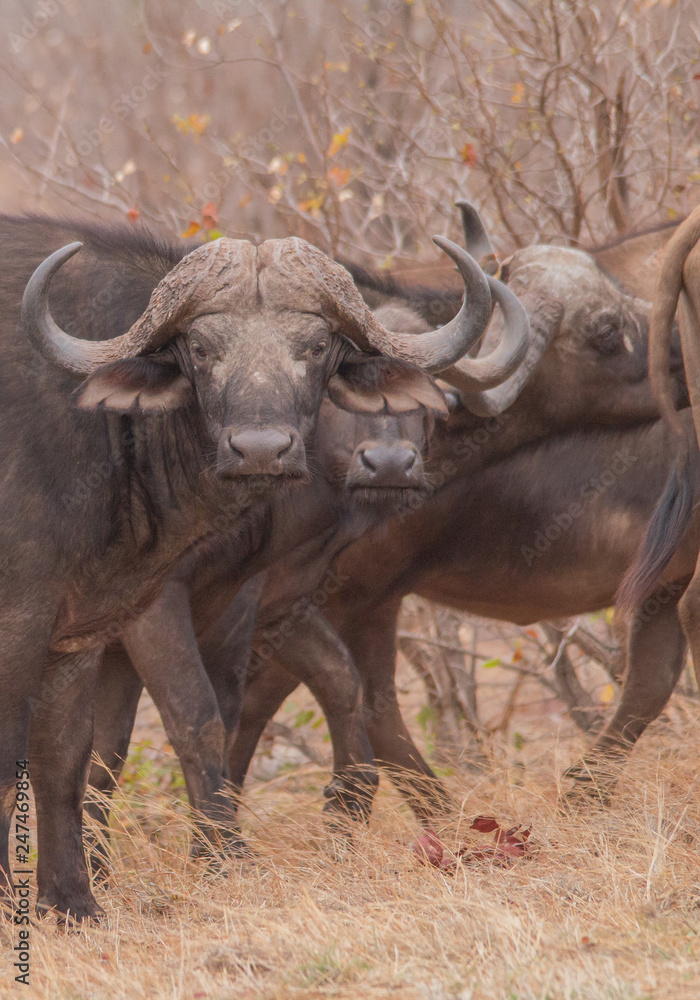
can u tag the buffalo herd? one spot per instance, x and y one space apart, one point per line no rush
225 466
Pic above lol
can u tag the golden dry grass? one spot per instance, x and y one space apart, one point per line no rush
607 907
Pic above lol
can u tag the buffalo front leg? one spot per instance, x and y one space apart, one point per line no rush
163 650
20 678
117 693
370 635
264 693
656 650
315 655
59 753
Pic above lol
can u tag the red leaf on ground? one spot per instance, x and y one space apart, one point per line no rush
485 824
428 849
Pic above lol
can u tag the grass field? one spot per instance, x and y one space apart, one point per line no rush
607 905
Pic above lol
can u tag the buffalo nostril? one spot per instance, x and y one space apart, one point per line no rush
409 461
285 447
367 462
234 449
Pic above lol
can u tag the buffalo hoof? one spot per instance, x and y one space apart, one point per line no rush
216 852
70 909
351 800
589 788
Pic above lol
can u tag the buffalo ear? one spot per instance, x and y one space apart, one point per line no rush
135 384
384 385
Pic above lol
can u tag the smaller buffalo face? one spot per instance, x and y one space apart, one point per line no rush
378 460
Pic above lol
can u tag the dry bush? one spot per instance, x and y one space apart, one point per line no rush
356 124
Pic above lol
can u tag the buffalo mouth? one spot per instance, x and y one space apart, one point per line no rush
264 482
394 497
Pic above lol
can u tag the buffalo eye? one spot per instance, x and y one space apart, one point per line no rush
319 349
199 352
608 339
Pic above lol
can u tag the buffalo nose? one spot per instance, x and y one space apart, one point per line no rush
267 451
388 460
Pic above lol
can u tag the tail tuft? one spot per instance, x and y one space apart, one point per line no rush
665 530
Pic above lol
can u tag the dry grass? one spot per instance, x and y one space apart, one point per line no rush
606 908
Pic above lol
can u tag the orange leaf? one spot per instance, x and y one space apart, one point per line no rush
517 655
532 632
209 216
312 204
518 93
339 175
339 140
133 215
469 154
192 229
147 48
17 135
245 200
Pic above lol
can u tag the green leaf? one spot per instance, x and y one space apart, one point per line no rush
489 664
426 716
303 718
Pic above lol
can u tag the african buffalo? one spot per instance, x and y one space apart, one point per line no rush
185 393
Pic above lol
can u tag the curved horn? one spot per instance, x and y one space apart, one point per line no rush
476 238
491 368
439 349
544 323
192 282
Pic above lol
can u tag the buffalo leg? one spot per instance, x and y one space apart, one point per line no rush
20 680
656 650
117 696
264 694
315 655
59 753
371 638
226 648
163 649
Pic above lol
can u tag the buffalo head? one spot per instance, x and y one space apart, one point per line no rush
252 337
587 359
376 458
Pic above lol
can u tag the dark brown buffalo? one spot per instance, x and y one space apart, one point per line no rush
185 391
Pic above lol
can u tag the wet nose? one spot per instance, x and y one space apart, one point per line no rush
388 460
272 451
